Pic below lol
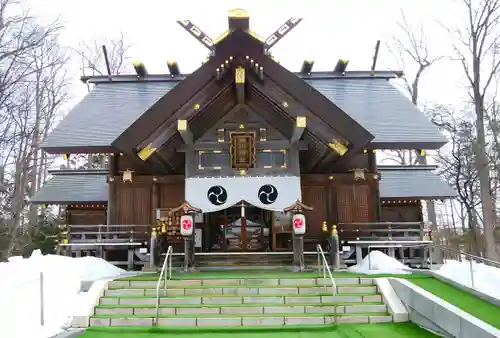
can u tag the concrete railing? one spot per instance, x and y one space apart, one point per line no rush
433 313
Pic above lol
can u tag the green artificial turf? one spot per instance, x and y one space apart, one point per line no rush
465 301
230 315
389 330
258 274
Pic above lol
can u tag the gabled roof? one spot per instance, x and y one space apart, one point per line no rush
237 49
72 187
420 182
111 107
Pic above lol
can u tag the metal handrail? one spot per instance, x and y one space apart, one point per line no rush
166 271
461 256
324 268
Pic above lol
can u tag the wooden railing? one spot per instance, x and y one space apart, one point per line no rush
108 233
382 231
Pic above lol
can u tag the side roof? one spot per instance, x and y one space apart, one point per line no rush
73 187
112 106
420 182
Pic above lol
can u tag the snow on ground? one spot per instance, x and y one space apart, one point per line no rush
62 277
378 262
486 278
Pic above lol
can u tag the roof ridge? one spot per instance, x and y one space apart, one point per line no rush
320 75
407 167
79 171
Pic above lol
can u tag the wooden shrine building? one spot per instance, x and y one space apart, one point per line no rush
243 132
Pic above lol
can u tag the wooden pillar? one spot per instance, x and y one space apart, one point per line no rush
328 202
113 172
111 206
273 230
153 242
244 244
375 193
130 259
155 201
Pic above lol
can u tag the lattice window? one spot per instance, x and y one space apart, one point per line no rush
272 159
213 160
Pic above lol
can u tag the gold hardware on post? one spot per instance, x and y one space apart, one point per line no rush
153 232
334 230
324 227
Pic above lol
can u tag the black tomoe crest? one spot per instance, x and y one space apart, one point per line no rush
268 194
217 195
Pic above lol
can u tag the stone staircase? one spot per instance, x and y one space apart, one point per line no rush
241 302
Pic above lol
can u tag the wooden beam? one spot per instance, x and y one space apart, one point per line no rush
239 81
331 115
279 121
166 110
195 105
229 172
182 128
197 33
208 118
165 133
301 145
298 129
281 32
273 94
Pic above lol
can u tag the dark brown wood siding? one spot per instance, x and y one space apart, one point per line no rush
314 196
84 216
133 203
353 203
401 213
171 194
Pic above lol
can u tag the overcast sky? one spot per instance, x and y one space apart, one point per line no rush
330 30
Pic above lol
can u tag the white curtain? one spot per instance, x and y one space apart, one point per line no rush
269 193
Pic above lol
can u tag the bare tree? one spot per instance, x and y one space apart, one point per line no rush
457 166
413 46
25 112
92 56
49 86
478 52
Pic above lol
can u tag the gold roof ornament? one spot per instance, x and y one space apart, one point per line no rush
238 13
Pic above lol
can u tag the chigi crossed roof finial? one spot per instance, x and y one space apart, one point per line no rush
238 19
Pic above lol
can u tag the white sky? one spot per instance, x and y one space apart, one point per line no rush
330 30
